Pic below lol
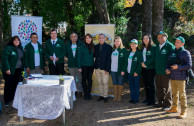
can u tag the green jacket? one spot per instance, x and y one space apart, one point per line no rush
136 62
162 57
122 60
72 61
85 58
29 56
150 58
10 59
59 50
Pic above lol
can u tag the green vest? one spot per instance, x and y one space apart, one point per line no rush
59 50
29 53
150 58
10 59
136 62
162 57
72 61
122 60
85 58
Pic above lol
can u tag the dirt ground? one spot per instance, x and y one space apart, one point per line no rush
93 113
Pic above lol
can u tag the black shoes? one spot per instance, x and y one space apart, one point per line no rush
134 101
105 100
100 98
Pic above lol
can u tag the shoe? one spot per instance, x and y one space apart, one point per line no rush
136 101
174 109
158 105
148 104
90 97
100 98
131 101
78 94
6 104
105 100
165 108
183 114
120 92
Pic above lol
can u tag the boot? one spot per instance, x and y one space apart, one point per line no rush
120 92
183 114
115 92
174 109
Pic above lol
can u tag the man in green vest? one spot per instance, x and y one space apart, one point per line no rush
163 49
33 56
54 52
72 48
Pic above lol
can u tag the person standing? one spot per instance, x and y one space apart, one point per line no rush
148 71
134 70
179 62
86 65
118 67
72 49
163 88
34 57
102 66
12 67
54 52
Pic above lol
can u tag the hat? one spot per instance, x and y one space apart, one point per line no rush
163 33
134 41
181 39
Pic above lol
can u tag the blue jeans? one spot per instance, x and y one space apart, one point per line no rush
117 79
134 87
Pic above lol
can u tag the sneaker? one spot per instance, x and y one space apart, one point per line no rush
100 98
105 100
165 108
6 104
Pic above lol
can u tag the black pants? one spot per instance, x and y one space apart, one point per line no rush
11 82
148 78
87 72
56 69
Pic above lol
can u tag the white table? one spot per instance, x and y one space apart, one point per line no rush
44 98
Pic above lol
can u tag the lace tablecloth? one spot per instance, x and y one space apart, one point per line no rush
44 98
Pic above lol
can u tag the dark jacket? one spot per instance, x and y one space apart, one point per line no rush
9 59
184 62
85 57
72 61
103 57
29 56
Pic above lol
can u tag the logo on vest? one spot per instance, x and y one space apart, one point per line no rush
13 53
148 52
163 51
135 59
173 55
58 45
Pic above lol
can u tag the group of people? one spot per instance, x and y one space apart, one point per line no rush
163 63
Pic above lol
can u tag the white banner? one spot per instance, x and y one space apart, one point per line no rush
23 26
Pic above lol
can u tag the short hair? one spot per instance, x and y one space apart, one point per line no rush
102 34
52 30
34 33
73 33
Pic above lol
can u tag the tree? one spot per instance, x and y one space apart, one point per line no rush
101 7
147 17
157 17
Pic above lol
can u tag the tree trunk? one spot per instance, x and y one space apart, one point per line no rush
101 7
157 17
147 17
1 22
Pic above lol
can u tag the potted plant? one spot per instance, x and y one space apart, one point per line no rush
24 75
61 80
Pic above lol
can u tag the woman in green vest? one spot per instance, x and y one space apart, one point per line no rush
134 70
118 67
148 72
86 65
12 66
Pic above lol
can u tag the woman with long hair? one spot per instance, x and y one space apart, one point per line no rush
148 71
118 67
86 65
12 66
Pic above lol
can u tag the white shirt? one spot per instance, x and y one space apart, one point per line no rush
130 61
36 54
74 47
144 54
114 61
54 41
162 45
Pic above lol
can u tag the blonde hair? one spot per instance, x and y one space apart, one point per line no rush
121 43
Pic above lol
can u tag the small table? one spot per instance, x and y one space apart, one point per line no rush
44 98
